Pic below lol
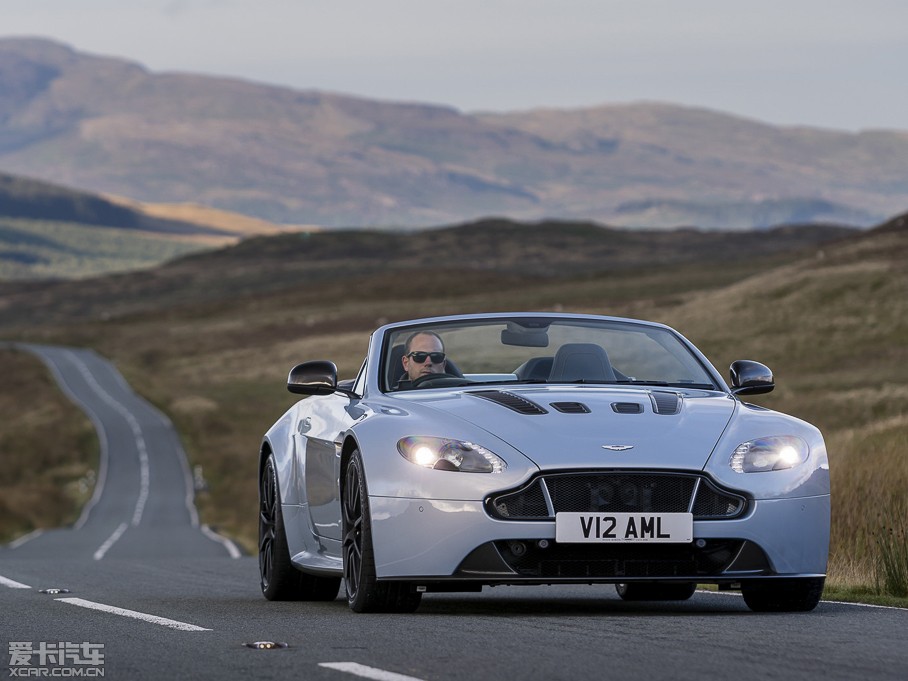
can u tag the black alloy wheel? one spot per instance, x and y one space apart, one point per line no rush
280 580
364 592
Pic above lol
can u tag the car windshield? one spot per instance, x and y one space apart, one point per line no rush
539 350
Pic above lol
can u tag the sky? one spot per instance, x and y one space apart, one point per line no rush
839 64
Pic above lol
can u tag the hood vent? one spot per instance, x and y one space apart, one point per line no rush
511 401
571 407
666 403
627 407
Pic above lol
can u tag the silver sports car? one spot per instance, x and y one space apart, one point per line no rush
539 449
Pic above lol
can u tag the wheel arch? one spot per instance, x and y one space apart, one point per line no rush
264 452
349 446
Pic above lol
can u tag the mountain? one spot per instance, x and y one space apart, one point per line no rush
310 157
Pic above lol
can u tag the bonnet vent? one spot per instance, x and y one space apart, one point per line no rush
571 407
666 403
627 408
510 400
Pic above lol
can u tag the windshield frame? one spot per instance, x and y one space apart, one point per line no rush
544 321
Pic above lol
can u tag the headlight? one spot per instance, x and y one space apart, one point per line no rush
769 454
444 454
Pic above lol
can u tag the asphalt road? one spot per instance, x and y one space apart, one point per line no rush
168 601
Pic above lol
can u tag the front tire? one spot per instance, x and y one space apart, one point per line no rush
364 592
280 581
643 591
783 595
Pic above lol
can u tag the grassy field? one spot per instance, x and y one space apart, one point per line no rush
831 321
44 481
32 249
835 330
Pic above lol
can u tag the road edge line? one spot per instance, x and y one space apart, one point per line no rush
123 612
367 672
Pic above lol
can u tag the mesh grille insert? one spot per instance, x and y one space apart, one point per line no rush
617 492
620 493
713 503
524 504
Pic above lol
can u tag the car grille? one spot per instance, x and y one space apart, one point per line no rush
616 492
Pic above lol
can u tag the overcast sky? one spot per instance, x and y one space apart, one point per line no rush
828 63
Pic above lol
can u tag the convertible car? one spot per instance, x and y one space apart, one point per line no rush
539 449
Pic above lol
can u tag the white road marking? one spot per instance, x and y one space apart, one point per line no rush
144 476
367 672
154 619
111 540
867 605
99 428
143 471
13 584
857 605
187 476
229 545
25 538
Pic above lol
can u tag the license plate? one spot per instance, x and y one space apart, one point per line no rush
573 528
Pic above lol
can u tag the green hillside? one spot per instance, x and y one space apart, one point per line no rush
39 249
53 232
472 257
22 197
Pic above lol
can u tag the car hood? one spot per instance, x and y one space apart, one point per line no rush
595 426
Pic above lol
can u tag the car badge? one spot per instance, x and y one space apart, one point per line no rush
617 448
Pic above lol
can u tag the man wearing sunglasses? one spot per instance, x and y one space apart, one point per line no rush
424 354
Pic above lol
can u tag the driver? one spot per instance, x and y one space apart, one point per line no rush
424 353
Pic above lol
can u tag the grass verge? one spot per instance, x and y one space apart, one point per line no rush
48 447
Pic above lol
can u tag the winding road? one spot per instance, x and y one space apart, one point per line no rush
170 599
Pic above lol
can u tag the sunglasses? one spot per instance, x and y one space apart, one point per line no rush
420 357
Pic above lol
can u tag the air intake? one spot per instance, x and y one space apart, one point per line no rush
511 401
571 407
627 407
666 403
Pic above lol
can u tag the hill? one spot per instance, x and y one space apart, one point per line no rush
49 231
309 157
464 257
834 328
22 197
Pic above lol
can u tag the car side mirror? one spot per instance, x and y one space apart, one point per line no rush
318 377
750 378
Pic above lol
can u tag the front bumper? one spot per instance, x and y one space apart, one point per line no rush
444 540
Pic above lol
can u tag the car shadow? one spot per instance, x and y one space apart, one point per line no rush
492 605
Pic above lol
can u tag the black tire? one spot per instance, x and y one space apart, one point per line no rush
364 592
280 581
783 595
647 591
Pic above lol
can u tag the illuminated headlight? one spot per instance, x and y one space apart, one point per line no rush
444 454
769 454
